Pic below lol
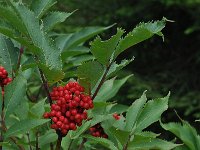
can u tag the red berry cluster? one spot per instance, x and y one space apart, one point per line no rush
4 79
116 116
98 131
69 109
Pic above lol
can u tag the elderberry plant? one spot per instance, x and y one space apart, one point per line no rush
61 96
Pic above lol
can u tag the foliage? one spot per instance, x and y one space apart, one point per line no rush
43 58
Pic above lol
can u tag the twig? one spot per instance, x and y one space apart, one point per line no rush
21 51
46 87
36 142
59 140
82 144
102 81
70 144
29 141
126 145
18 145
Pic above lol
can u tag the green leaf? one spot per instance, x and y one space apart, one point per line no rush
103 50
89 74
119 108
40 7
74 39
110 88
21 111
38 109
8 14
14 93
140 33
185 132
49 54
48 137
117 67
54 18
105 142
8 54
80 130
151 112
23 126
146 144
134 111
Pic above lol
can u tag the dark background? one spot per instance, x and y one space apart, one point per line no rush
159 67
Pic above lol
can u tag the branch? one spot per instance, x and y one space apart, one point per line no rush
36 142
20 56
82 144
126 145
102 81
29 141
59 140
46 87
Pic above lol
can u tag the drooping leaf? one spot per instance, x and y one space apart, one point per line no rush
105 142
140 33
8 54
151 112
89 73
103 50
40 7
185 132
134 111
110 88
53 19
24 125
14 93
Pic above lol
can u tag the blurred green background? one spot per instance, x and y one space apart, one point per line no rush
159 67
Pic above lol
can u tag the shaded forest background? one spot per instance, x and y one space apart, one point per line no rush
159 67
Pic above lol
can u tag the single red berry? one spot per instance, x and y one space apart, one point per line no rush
55 119
72 126
62 118
73 112
59 124
46 115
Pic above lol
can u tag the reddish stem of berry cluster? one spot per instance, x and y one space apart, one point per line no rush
116 116
69 109
98 131
4 79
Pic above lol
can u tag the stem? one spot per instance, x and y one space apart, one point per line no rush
102 81
82 144
2 117
70 144
59 140
36 142
15 141
126 145
51 146
29 141
46 87
20 56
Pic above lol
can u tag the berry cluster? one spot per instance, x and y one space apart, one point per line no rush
116 116
4 79
69 109
98 131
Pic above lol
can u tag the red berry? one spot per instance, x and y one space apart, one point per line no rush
72 126
46 115
62 118
77 116
58 114
55 119
59 124
73 112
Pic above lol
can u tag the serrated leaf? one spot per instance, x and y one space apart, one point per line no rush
23 126
185 132
38 108
109 89
105 142
150 143
14 93
11 17
140 33
40 7
79 37
8 54
103 50
89 74
49 54
119 108
151 112
54 18
117 67
134 112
